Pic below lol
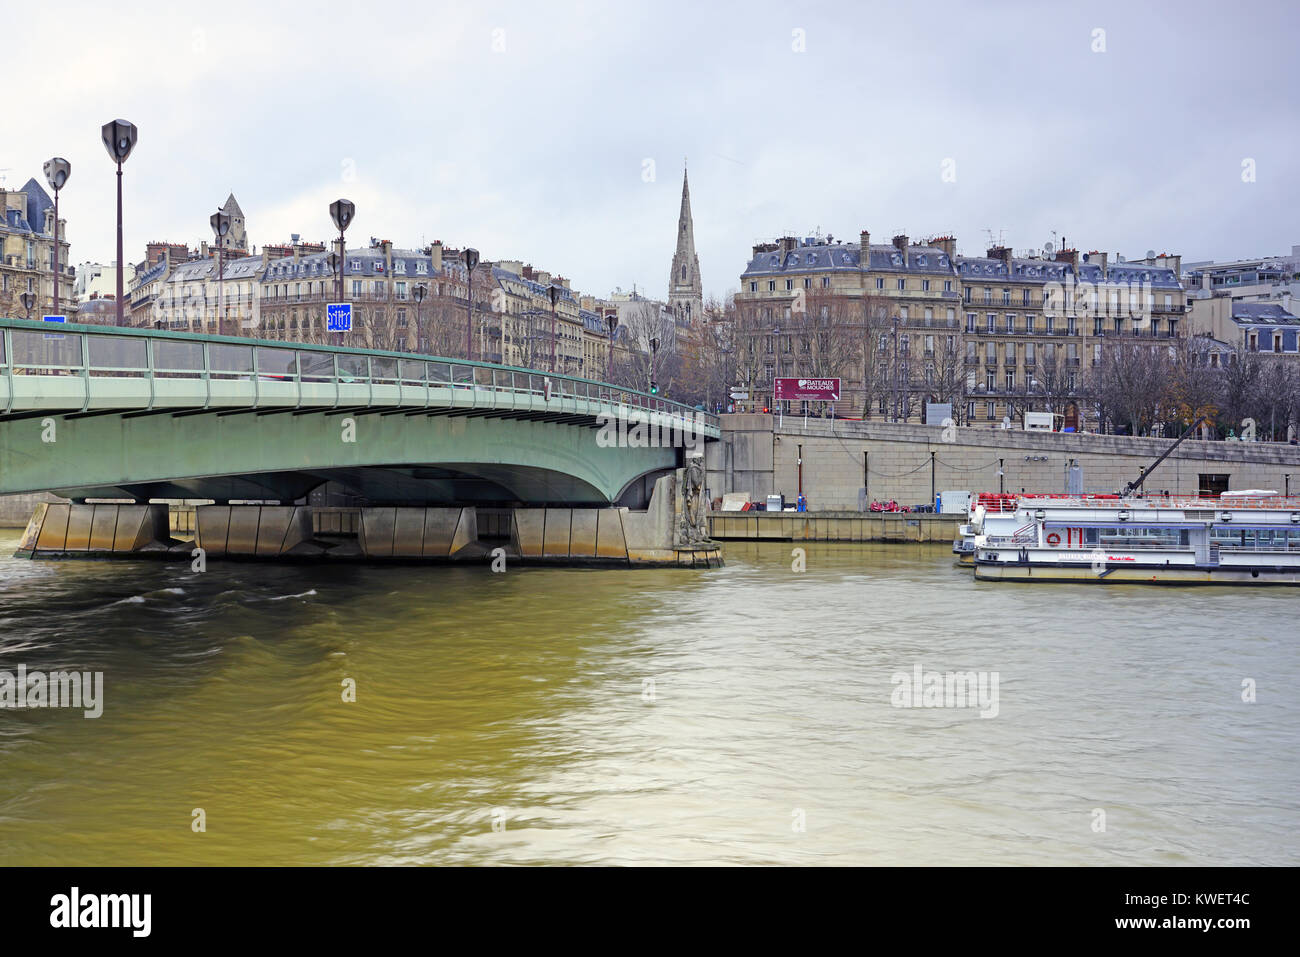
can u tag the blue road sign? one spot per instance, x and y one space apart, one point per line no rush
54 335
338 317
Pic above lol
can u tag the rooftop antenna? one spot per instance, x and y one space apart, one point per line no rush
3 170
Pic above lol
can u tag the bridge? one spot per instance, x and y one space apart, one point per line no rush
96 412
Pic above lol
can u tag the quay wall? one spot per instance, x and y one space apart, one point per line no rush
849 463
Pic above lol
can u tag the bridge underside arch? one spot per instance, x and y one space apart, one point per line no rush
385 459
444 484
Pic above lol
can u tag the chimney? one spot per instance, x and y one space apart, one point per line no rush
1000 252
948 244
435 254
787 244
900 243
864 240
1070 256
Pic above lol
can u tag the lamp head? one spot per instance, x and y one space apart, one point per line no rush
220 223
57 171
119 139
343 211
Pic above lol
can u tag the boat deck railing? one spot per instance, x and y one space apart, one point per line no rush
1161 501
1007 541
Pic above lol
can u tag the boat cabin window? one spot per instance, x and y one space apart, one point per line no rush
1269 539
1128 536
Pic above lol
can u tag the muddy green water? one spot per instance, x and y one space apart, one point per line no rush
738 715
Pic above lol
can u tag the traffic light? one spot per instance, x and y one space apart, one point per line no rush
654 388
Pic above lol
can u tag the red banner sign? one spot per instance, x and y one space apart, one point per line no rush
817 390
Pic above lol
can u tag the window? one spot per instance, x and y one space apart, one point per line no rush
991 353
988 406
1029 325
929 316
771 285
989 376
966 294
991 319
400 266
929 345
988 295
753 287
356 288
880 284
970 321
902 284
1024 296
826 282
1006 297
401 290
1096 326
1011 380
1011 353
807 283
1029 353
1011 323
925 285
947 285
1048 323
789 284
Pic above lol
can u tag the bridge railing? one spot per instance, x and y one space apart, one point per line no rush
237 372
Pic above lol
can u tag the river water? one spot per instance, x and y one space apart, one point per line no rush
737 715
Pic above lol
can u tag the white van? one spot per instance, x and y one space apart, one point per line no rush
1042 422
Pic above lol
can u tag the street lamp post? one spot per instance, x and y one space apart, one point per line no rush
57 171
654 355
119 139
220 226
554 292
28 300
897 320
471 260
420 291
611 320
342 211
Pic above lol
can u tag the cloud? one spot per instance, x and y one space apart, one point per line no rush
523 128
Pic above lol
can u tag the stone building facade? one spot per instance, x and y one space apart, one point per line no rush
907 324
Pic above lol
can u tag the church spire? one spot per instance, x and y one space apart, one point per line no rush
685 290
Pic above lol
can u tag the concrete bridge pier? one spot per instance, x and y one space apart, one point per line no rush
69 530
671 531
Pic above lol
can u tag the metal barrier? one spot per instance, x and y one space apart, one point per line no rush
157 370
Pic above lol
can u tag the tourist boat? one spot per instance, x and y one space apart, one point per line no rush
991 513
1246 538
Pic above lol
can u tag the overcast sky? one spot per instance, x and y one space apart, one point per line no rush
528 129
